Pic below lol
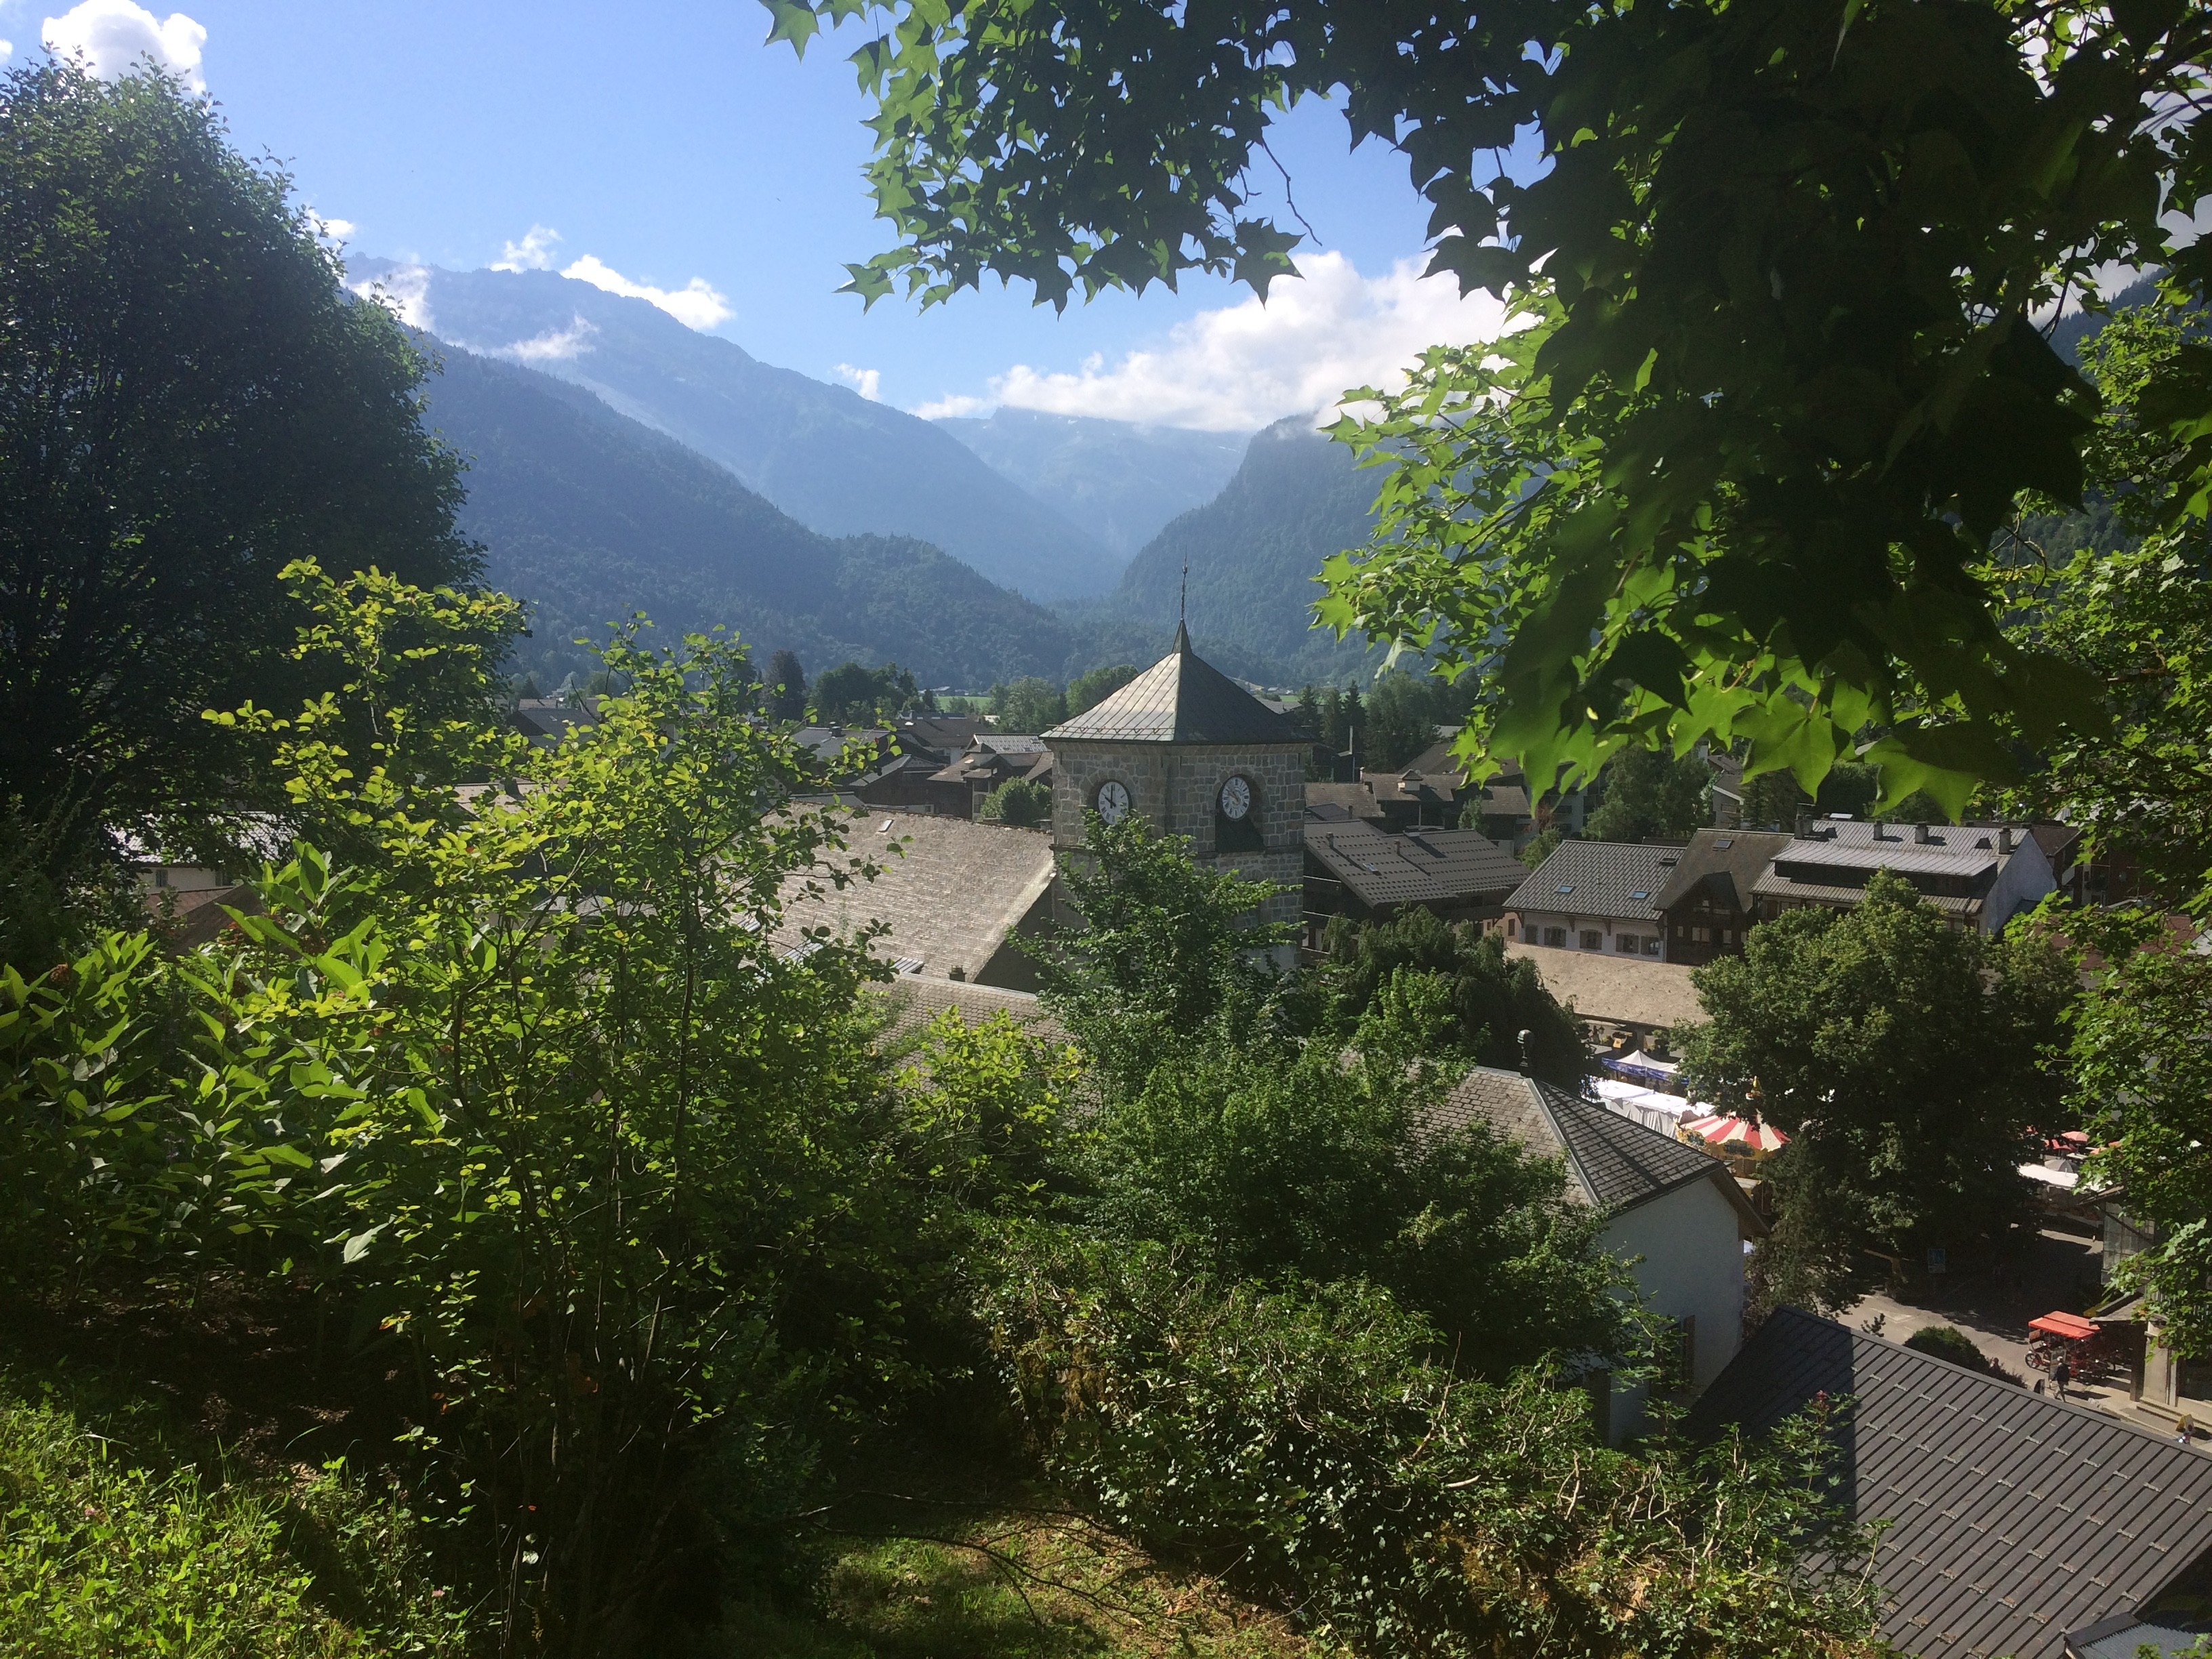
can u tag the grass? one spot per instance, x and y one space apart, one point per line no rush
111 1545
1009 1582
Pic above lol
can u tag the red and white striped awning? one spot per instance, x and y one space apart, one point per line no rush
1737 1137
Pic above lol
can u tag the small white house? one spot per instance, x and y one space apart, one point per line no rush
1673 1214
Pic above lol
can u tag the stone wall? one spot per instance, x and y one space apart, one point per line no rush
1176 786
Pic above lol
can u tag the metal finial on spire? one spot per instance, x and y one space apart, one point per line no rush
1183 605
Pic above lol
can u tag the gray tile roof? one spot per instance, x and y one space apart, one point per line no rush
1774 885
1613 1163
1856 844
1726 863
1180 699
1594 879
2017 1517
1422 866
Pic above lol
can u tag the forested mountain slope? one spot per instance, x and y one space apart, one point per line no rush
830 458
1254 551
1121 481
590 516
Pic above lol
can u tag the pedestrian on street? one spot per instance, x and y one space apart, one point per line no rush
2061 1375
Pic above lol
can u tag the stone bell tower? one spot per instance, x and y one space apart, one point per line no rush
1200 756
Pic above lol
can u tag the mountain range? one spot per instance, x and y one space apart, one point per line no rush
589 516
1252 553
832 459
619 461
1123 482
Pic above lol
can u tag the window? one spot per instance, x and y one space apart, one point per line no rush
1556 936
1510 923
1593 939
1686 1353
1651 945
1627 942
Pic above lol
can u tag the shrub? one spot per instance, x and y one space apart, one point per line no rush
1309 1443
1948 1342
1018 803
100 1555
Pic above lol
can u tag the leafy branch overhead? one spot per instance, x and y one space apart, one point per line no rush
1777 376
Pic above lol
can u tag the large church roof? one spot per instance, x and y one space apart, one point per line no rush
1180 699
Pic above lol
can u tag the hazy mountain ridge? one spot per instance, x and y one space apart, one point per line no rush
1122 482
589 516
1254 552
833 460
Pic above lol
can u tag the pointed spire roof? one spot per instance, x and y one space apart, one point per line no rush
1180 699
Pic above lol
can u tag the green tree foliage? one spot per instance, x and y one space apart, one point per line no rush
1019 803
2143 1077
1541 846
1909 1062
1335 715
786 687
1088 691
1490 1001
1650 792
2132 607
1029 705
115 1544
851 694
1712 266
1263 1165
532 1100
1948 1342
189 401
1164 952
1314 1442
1403 712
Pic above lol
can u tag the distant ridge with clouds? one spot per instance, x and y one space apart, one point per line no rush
589 516
829 457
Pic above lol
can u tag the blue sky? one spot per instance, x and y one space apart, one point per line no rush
666 143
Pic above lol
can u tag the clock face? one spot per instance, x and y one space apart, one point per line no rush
1113 800
1236 799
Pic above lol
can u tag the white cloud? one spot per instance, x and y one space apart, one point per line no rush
952 405
112 36
336 230
405 291
695 305
555 345
1245 364
7 49
533 252
868 382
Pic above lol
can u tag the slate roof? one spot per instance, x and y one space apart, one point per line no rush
1422 867
1613 1163
1775 886
1339 802
1852 844
2017 1517
950 892
1180 699
1595 878
1726 863
913 1001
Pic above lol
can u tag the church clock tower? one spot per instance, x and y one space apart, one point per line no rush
1201 757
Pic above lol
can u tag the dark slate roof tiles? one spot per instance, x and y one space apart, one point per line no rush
2016 1518
1603 879
1422 866
1180 699
1614 1162
1726 863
